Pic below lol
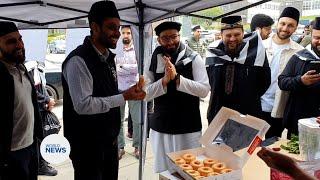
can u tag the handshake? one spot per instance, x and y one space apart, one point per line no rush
135 92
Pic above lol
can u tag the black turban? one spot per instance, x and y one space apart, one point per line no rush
102 9
7 27
316 24
291 12
231 22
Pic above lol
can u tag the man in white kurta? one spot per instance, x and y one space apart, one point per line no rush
175 78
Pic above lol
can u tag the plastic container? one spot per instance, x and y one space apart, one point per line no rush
309 139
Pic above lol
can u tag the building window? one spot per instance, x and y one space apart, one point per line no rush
307 5
316 5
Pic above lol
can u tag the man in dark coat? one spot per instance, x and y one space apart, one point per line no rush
302 79
20 125
91 100
238 70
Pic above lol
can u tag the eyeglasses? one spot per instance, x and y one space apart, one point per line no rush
168 38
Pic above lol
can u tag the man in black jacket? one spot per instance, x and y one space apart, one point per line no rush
91 100
302 79
238 70
20 127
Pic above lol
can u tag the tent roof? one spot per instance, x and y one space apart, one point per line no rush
62 13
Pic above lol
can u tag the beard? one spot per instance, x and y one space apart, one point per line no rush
232 49
107 41
171 49
284 36
14 56
316 49
126 41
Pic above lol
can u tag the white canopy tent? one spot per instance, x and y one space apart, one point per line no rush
46 14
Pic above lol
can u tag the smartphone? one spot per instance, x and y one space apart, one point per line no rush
314 65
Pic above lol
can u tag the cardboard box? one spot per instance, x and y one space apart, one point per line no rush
228 132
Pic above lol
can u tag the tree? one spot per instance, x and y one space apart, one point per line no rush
212 12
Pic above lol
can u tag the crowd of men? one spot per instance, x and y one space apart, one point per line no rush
266 75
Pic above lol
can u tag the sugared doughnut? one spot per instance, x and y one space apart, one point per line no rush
193 173
186 166
199 177
209 162
179 161
217 167
226 170
196 164
204 171
213 174
188 157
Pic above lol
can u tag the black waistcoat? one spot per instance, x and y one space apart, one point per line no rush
176 112
94 131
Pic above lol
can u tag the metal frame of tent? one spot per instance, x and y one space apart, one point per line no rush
140 8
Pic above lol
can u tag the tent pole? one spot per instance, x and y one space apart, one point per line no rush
140 9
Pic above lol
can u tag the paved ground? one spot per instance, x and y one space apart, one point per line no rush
129 165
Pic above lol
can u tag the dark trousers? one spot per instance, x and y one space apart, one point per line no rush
276 125
22 164
87 168
130 128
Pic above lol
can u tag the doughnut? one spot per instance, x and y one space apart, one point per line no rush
193 173
209 162
213 174
196 164
204 171
218 167
226 170
179 161
186 166
188 157
199 177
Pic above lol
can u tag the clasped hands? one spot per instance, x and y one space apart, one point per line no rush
170 72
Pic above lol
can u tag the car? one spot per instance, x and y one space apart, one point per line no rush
52 78
54 85
57 47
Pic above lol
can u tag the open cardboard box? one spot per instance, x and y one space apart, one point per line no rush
228 132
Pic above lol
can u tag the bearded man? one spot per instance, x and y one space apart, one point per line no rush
238 70
279 48
20 125
175 80
302 79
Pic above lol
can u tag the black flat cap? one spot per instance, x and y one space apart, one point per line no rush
7 27
167 25
102 9
291 12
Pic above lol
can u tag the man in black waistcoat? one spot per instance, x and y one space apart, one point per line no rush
176 79
238 70
20 125
302 79
91 112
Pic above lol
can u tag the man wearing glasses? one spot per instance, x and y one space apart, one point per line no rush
175 79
